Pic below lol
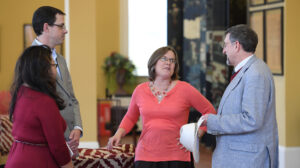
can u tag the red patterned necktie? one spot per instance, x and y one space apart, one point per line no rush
234 74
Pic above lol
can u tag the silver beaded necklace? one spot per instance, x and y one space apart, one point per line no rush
157 93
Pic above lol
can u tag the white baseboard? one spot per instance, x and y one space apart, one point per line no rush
89 144
289 157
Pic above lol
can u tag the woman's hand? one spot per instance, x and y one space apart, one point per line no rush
68 165
115 140
181 146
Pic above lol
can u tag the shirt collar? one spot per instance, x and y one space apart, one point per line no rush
241 64
54 56
37 41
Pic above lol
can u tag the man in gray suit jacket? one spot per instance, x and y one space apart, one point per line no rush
48 24
245 125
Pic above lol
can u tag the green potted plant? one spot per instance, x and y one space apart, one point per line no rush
119 72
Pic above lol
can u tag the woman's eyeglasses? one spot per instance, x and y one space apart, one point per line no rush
165 59
56 65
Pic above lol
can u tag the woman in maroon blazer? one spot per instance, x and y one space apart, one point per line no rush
38 128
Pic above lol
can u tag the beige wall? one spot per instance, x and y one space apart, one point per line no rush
108 24
83 62
292 80
13 15
94 34
280 108
288 86
123 27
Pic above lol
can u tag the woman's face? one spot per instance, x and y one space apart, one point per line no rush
165 65
53 69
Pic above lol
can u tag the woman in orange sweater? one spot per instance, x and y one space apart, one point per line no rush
163 104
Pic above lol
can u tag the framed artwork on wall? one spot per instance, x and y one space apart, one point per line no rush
263 2
256 2
257 24
29 36
273 1
268 24
274 40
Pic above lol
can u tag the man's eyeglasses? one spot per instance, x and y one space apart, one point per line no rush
224 45
56 65
165 59
62 26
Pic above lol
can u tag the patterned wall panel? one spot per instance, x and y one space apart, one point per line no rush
175 28
204 64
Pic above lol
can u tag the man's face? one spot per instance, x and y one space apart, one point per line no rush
58 30
229 49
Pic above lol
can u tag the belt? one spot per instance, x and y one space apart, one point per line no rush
29 143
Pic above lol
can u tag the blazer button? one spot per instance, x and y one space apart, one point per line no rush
70 104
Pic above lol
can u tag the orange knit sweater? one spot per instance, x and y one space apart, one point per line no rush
162 121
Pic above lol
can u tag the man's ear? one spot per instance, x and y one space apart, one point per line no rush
238 46
46 27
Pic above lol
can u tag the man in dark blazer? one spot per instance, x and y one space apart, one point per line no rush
245 125
49 26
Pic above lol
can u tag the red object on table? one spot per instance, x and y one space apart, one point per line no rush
104 116
5 99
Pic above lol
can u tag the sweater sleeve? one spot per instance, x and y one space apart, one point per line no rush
199 102
132 114
52 125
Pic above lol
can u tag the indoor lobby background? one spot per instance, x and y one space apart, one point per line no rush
98 27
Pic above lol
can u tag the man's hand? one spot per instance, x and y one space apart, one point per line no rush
204 123
75 135
74 140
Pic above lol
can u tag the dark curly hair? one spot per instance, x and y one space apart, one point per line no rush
33 68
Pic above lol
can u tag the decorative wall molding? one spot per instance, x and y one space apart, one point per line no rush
289 157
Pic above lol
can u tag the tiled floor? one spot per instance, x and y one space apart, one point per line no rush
205 153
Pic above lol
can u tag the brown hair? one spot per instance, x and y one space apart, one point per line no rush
244 35
160 52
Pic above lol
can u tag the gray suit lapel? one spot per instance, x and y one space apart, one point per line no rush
61 81
61 68
236 80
